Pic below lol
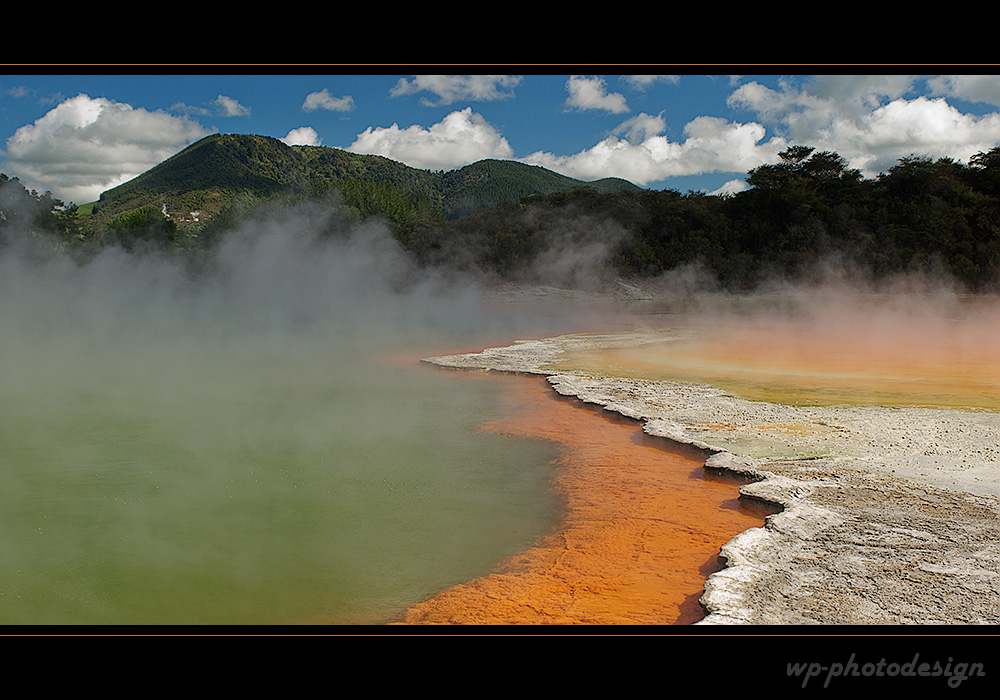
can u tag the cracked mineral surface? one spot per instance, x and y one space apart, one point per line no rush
888 514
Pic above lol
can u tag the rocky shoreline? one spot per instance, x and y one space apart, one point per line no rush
887 515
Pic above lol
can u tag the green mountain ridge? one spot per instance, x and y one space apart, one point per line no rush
222 169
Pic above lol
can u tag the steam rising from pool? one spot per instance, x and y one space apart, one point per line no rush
234 444
915 340
232 441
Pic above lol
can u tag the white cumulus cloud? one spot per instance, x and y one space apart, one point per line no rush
462 137
641 127
641 82
324 100
591 92
974 88
730 187
303 136
711 144
221 106
452 88
86 145
870 120
230 107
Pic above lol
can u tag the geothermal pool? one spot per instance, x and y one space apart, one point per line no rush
250 449
861 360
867 390
640 527
259 482
244 447
290 479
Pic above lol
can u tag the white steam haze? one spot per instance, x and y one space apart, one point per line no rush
299 270
236 441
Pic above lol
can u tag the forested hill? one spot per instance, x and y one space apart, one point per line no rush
213 173
940 216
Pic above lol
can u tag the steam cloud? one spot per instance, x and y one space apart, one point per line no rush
168 422
303 269
182 349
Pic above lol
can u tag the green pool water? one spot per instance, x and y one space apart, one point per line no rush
239 451
249 480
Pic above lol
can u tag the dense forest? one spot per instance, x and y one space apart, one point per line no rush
922 214
809 208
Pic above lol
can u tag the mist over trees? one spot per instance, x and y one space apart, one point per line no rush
33 213
939 216
809 209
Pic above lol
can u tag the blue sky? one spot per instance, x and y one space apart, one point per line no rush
77 135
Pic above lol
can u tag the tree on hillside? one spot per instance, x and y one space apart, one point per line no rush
29 213
143 227
985 169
